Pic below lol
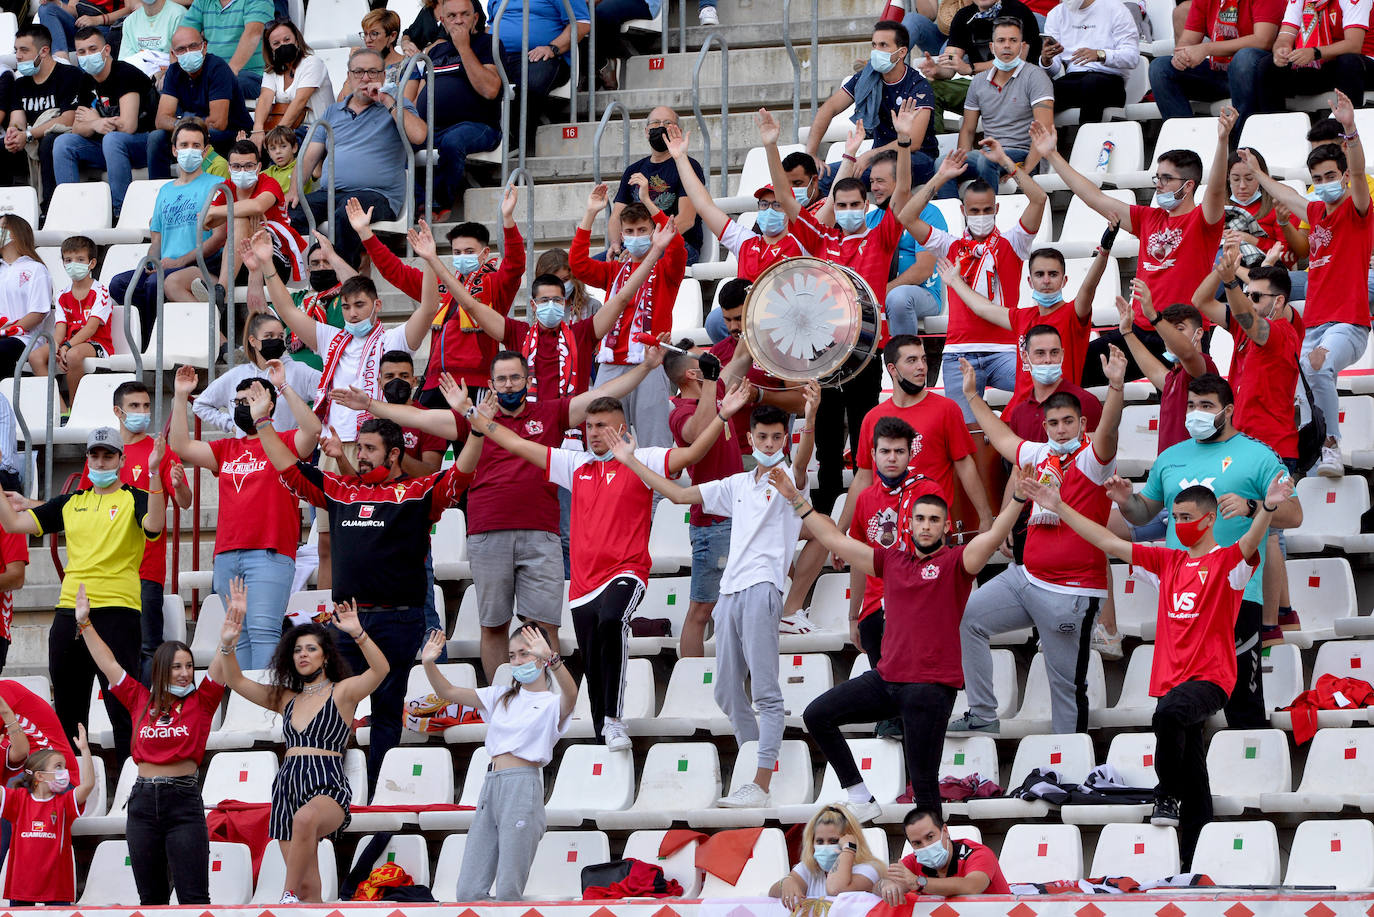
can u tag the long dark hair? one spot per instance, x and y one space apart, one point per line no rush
282 668
161 700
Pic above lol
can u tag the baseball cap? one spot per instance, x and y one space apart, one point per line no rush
105 438
766 189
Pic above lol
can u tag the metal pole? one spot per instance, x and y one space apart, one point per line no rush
135 346
611 109
681 27
663 24
44 332
714 38
209 281
301 178
521 175
410 216
507 92
815 58
572 53
796 69
592 71
524 79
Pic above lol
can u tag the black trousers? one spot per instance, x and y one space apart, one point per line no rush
1245 707
1097 349
71 668
11 349
841 407
169 844
602 626
152 626
1091 92
1181 757
1350 73
923 708
871 636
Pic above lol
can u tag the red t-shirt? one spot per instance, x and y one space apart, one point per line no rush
547 366
1273 233
1339 251
724 351
12 548
39 722
171 737
286 240
720 461
418 442
992 267
942 437
1202 16
1027 418
260 511
96 304
134 472
40 843
1176 253
1073 336
756 256
1056 557
921 632
969 857
1339 15
1199 601
1264 380
1173 404
508 493
877 523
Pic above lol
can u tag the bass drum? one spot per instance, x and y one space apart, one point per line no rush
810 319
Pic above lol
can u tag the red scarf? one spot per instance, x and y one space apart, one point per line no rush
567 359
474 286
331 367
1317 25
914 485
637 317
1224 28
971 261
1054 468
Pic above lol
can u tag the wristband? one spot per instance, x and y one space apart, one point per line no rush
1117 388
257 424
361 638
1269 509
1157 319
904 145
809 511
554 662
227 649
1317 53
722 418
1252 505
1232 283
848 157
1017 499
1130 330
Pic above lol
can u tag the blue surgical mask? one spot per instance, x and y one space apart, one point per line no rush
1067 448
802 196
1169 355
637 246
27 67
849 220
1248 201
137 423
191 61
526 672
1047 373
770 222
106 478
189 160
466 264
1046 300
76 270
91 63
1168 199
932 856
359 329
1330 191
511 400
1006 66
826 855
603 457
767 461
1203 425
881 60
568 288
550 314
181 690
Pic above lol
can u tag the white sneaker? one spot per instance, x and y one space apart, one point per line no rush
706 15
796 623
1331 465
1109 645
862 811
289 897
613 732
748 796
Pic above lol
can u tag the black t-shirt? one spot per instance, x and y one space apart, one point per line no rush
7 97
665 187
60 90
974 36
425 30
124 78
454 98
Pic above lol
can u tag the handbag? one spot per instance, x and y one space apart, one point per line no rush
1311 435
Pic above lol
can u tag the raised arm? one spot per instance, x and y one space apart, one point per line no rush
982 546
256 254
606 317
356 687
1255 326
229 673
624 451
621 385
422 319
950 167
1214 201
1149 364
715 219
155 516
1280 489
308 425
278 453
87 786
734 401
768 136
998 433
437 423
100 652
1044 140
429 657
511 441
1189 357
807 444
1281 193
857 554
1344 112
1096 535
1036 197
979 304
1109 425
1087 290
192 451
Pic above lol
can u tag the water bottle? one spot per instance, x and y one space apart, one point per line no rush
1104 155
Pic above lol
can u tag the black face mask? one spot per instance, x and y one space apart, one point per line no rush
658 139
893 482
272 348
323 280
397 391
243 419
284 56
911 388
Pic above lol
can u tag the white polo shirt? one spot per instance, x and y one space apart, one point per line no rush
763 529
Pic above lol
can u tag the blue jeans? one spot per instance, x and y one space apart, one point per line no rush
1299 282
715 326
346 241
710 547
251 84
454 143
267 576
906 305
610 15
117 152
993 368
398 633
925 34
988 170
1174 89
62 25
432 621
1344 343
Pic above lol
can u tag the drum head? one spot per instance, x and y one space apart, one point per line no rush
804 317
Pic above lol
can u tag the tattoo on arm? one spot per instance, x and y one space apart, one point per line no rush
1246 319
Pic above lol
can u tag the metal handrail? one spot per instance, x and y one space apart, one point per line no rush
507 90
410 66
718 39
523 175
664 29
150 265
226 251
302 178
796 69
44 331
815 57
615 106
591 62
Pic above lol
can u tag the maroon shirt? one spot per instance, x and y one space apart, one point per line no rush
546 354
739 423
924 601
508 493
1027 418
719 462
1173 404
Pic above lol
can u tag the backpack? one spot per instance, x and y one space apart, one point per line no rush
1311 435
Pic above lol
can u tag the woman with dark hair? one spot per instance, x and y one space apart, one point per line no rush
296 88
264 338
524 722
169 845
1251 212
25 290
315 693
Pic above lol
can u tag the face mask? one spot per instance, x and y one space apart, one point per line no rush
27 67
880 60
181 690
911 388
1248 201
1047 373
637 246
106 478
601 457
189 160
466 264
932 856
1046 300
826 855
60 780
767 461
981 224
243 419
243 180
802 196
550 315
137 423
1067 448
76 270
658 139
511 400
284 56
91 63
1169 355
1189 533
397 391
323 280
1203 425
6 237
1330 192
191 61
568 288
359 329
891 483
849 220
525 672
376 475
770 222
272 348
1006 66
1168 200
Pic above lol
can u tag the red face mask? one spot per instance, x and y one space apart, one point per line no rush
376 475
1189 533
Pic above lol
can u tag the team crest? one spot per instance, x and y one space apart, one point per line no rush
534 427
1225 463
930 571
1202 576
400 491
114 511
365 511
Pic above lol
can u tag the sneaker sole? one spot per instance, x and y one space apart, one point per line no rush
1164 822
1331 472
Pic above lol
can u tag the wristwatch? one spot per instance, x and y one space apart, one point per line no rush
1101 55
1232 283
1253 505
1316 53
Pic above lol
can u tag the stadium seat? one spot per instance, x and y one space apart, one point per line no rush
472 788
1281 138
1127 156
1254 762
1042 853
314 604
1281 666
803 678
272 874
1034 715
21 200
689 703
1137 447
829 612
792 785
670 544
355 772
98 728
1104 298
664 597
964 756
1357 432
766 865
38 684
245 776
115 885
459 674
1324 589
137 212
1133 756
121 258
678 779
1343 659
1069 755
556 873
448 866
231 874
77 207
96 802
113 820
1238 853
1134 706
205 640
245 723
33 407
1143 852
450 545
1003 684
591 779
687 314
409 775
1196 134
1336 853
1010 207
185 339
1160 14
333 23
407 851
882 769
638 711
92 407
1337 774
117 339
1083 228
1331 511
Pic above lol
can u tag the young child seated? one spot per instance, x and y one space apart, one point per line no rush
281 147
83 327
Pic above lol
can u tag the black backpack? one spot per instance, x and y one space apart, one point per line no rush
1311 435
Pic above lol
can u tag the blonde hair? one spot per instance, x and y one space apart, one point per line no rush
844 822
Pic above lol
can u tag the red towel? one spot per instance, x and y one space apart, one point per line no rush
674 839
1329 693
645 880
241 823
724 853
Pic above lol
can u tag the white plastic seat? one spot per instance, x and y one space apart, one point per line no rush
1357 432
1010 207
115 885
687 314
77 207
206 638
1281 668
1083 228
120 343
245 723
450 545
1337 774
96 801
1143 852
1343 659
1041 853
1331 511
680 865
136 213
333 23
1034 715
185 339
792 785
231 874
1196 134
1134 706
272 873
1244 765
1069 755
882 769
1238 853
765 865
556 873
459 674
33 407
664 597
638 711
963 756
111 821
1133 756
407 851
679 778
92 407
22 200
245 776
121 258
1137 447
448 866
1104 298
829 612
591 779
461 820
38 684
1004 685
1324 588
410 775
1338 852
803 678
1281 138
670 543
689 702
1127 155
98 727
753 175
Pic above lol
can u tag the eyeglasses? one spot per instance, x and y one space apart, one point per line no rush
375 33
546 300
371 73
185 48
770 205
1256 296
508 380
1159 181
241 402
660 123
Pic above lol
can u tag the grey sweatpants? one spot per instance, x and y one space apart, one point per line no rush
1065 623
647 407
504 835
746 625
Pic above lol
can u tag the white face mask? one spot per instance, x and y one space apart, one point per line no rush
981 225
1066 448
1203 425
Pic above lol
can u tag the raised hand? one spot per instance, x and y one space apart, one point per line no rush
177 475
596 201
1343 111
737 398
641 186
259 402
970 375
83 605
159 450
276 373
654 353
234 613
1275 254
1230 260
993 151
508 202
358 218
262 248
331 445
952 166
904 118
455 393
623 448
1043 139
353 398
812 393
677 141
663 237
422 240
1140 291
948 272
490 405
1114 366
781 478
1118 489
769 129
1226 120
536 642
81 743
346 618
1047 495
433 646
186 380
1280 489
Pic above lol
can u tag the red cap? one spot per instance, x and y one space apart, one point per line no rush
766 189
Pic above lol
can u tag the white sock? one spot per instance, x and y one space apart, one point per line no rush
859 793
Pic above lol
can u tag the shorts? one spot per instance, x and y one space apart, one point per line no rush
710 548
1154 530
328 464
517 567
301 779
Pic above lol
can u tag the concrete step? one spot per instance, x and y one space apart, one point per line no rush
552 141
749 65
774 95
759 25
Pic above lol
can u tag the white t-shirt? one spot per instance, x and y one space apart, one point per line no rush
357 366
763 529
527 727
311 73
815 881
25 288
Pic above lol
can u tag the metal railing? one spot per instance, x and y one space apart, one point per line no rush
508 94
302 178
797 67
229 305
410 216
718 39
44 332
611 109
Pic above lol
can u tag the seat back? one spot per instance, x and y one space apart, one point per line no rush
803 677
413 774
1133 756
231 874
967 755
1331 506
242 775
1238 852
79 207
680 865
880 765
1324 588
1070 755
1337 852
1282 675
593 778
1127 155
1254 761
272 873
1338 761
556 873
680 776
1196 134
793 774
1041 853
767 862
407 851
1281 138
1140 851
115 882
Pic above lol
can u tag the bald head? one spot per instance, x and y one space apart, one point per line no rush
185 42
655 129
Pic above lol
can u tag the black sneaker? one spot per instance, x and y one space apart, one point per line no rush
1165 814
890 729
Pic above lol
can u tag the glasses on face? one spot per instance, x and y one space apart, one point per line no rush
660 123
1159 181
185 49
241 402
1258 297
517 379
546 300
374 34
770 205
369 72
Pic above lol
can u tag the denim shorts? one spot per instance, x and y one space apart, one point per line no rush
710 548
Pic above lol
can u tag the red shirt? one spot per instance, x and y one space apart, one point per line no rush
611 512
176 736
12 548
1339 15
418 442
1202 17
40 724
942 437
755 255
508 493
41 843
286 240
134 472
969 857
1176 253
1339 251
724 351
260 511
1173 403
921 632
1264 380
1273 232
992 267
651 309
877 523
1027 418
1199 601
867 252
1073 336
1056 557
547 366
720 461
96 304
